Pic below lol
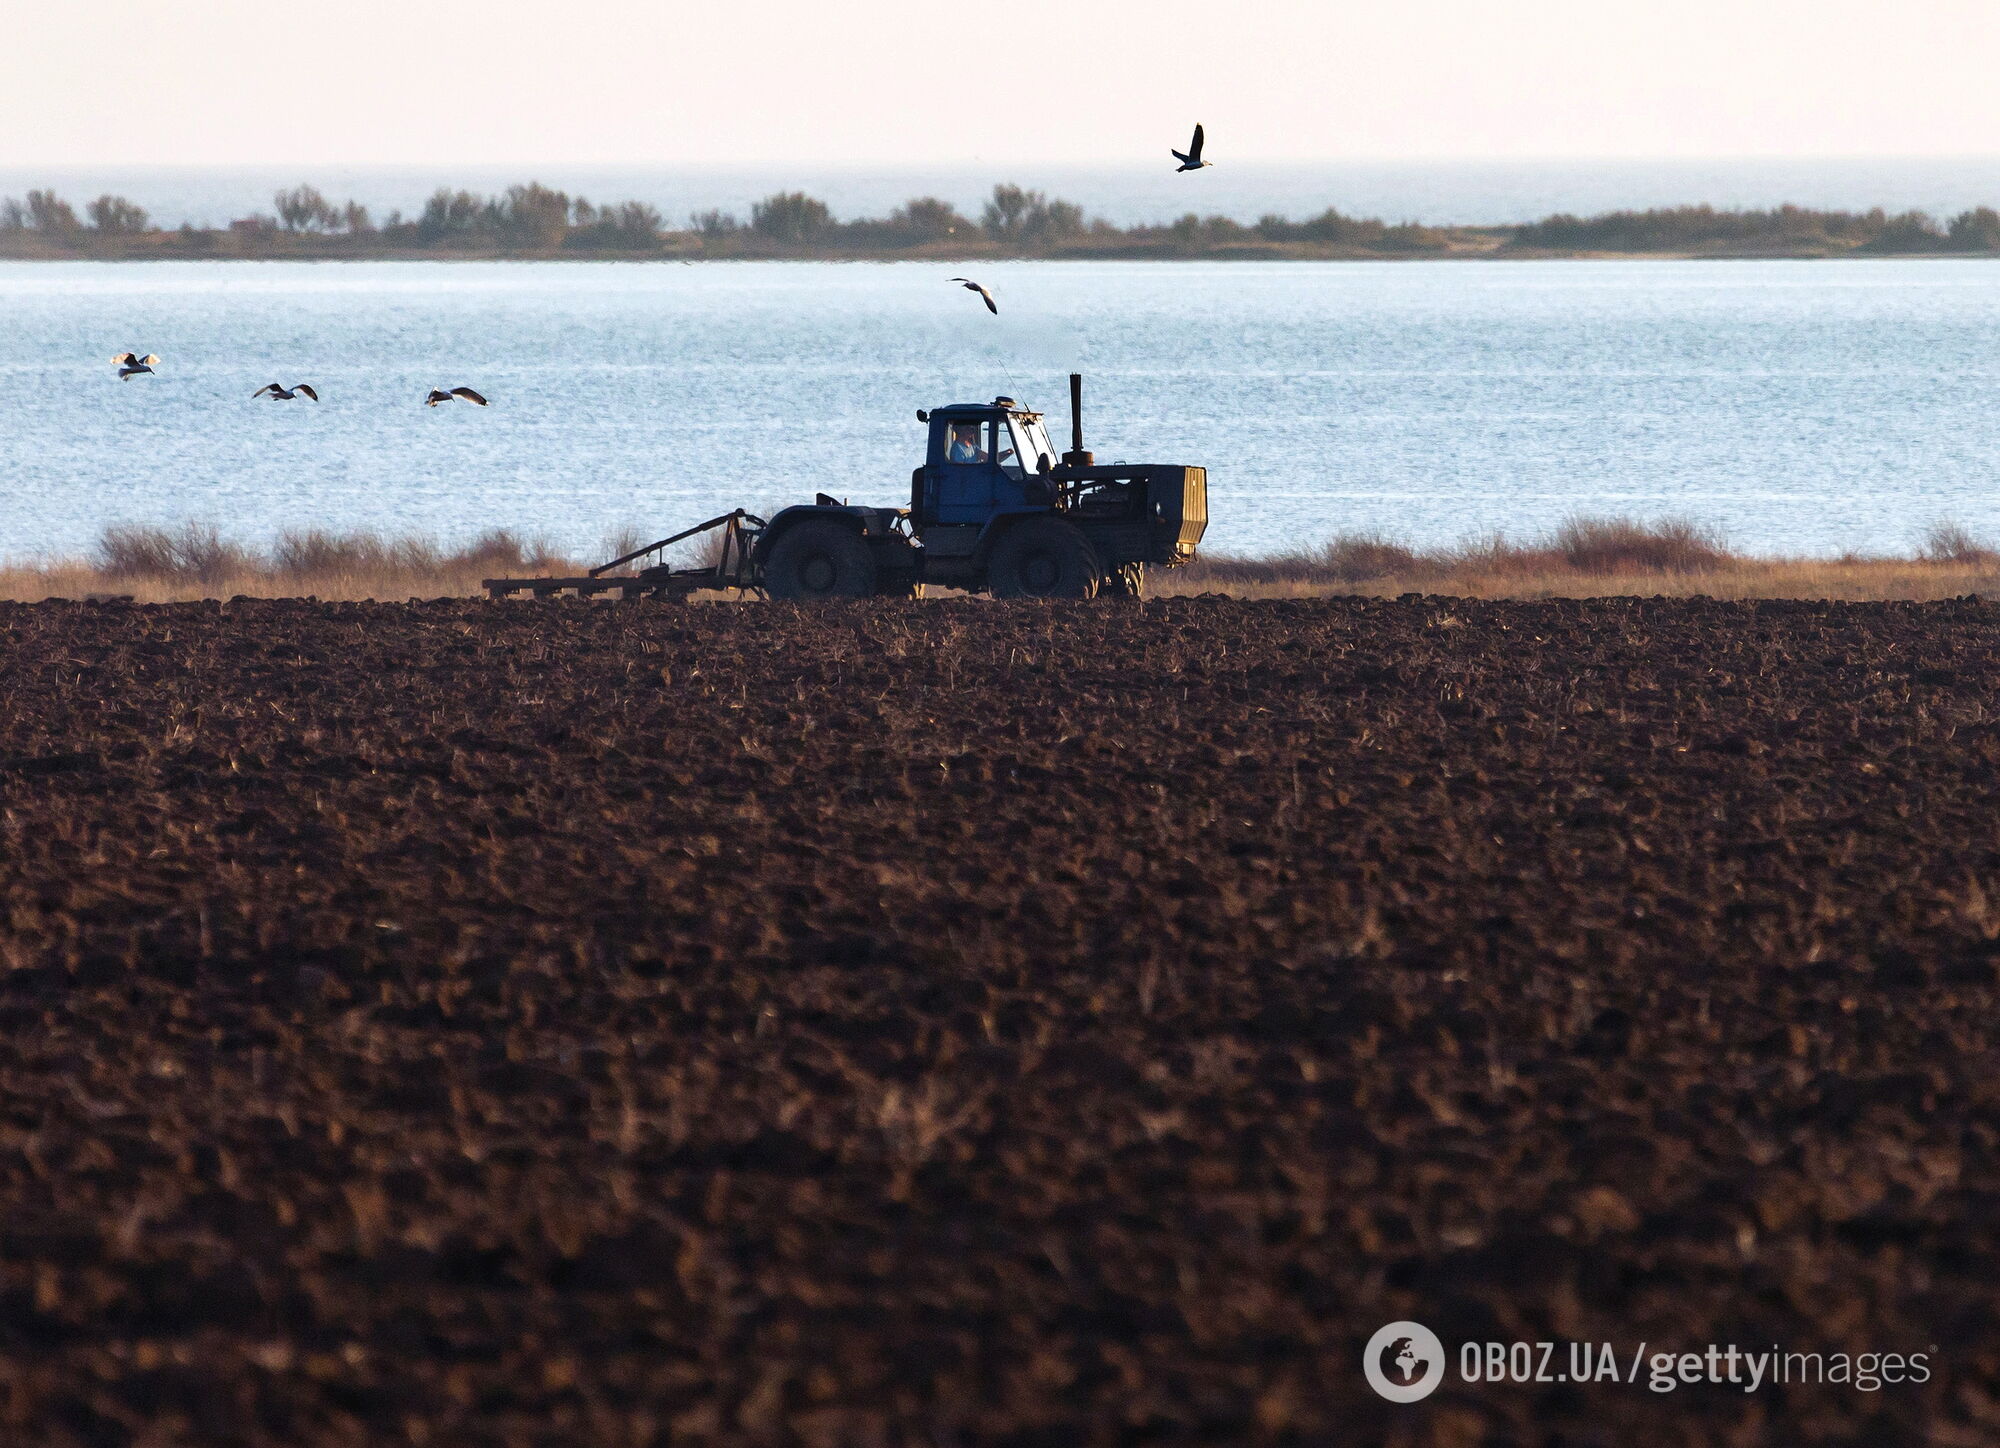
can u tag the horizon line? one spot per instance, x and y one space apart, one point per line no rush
849 164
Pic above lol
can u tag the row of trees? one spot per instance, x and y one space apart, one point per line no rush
48 214
540 220
1785 228
1011 215
534 218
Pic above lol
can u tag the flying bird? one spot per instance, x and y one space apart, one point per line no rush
467 393
286 394
1192 160
130 364
984 295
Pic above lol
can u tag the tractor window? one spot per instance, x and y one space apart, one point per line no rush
1007 450
968 443
1039 435
1024 451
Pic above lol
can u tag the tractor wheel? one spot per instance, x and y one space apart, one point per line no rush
1044 558
1127 580
819 559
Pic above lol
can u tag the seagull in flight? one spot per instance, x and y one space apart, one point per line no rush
984 295
130 364
437 396
286 394
1192 160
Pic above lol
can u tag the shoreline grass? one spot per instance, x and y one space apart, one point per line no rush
1599 558
1582 558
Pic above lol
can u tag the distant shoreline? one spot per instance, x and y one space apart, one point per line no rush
536 223
957 258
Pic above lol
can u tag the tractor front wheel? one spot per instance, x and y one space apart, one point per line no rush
819 559
1044 558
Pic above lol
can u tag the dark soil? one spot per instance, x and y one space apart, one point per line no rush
957 1024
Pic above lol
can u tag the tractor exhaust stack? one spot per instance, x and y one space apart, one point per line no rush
1076 457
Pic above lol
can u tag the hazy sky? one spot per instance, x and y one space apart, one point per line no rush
886 81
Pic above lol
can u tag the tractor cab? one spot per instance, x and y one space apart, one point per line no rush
985 459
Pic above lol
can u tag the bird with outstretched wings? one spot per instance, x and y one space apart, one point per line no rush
438 395
1190 160
984 295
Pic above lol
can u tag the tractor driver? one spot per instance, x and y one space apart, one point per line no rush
965 446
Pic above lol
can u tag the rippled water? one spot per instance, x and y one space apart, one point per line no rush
1802 406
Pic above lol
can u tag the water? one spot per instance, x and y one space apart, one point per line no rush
1439 192
1802 406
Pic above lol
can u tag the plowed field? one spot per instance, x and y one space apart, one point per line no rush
958 1024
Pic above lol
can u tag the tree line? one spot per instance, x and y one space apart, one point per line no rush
537 220
1783 228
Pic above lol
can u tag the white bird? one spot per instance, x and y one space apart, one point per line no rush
984 295
130 364
286 394
437 396
1191 161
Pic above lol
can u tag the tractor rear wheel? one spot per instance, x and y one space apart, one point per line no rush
1044 558
819 559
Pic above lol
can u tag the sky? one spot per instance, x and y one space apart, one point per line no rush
640 82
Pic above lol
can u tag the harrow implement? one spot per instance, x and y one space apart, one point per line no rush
732 568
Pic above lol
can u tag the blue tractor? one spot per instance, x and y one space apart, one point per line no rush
992 510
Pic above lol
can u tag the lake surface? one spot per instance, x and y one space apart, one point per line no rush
1800 406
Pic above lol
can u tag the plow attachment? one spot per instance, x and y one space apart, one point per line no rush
732 568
